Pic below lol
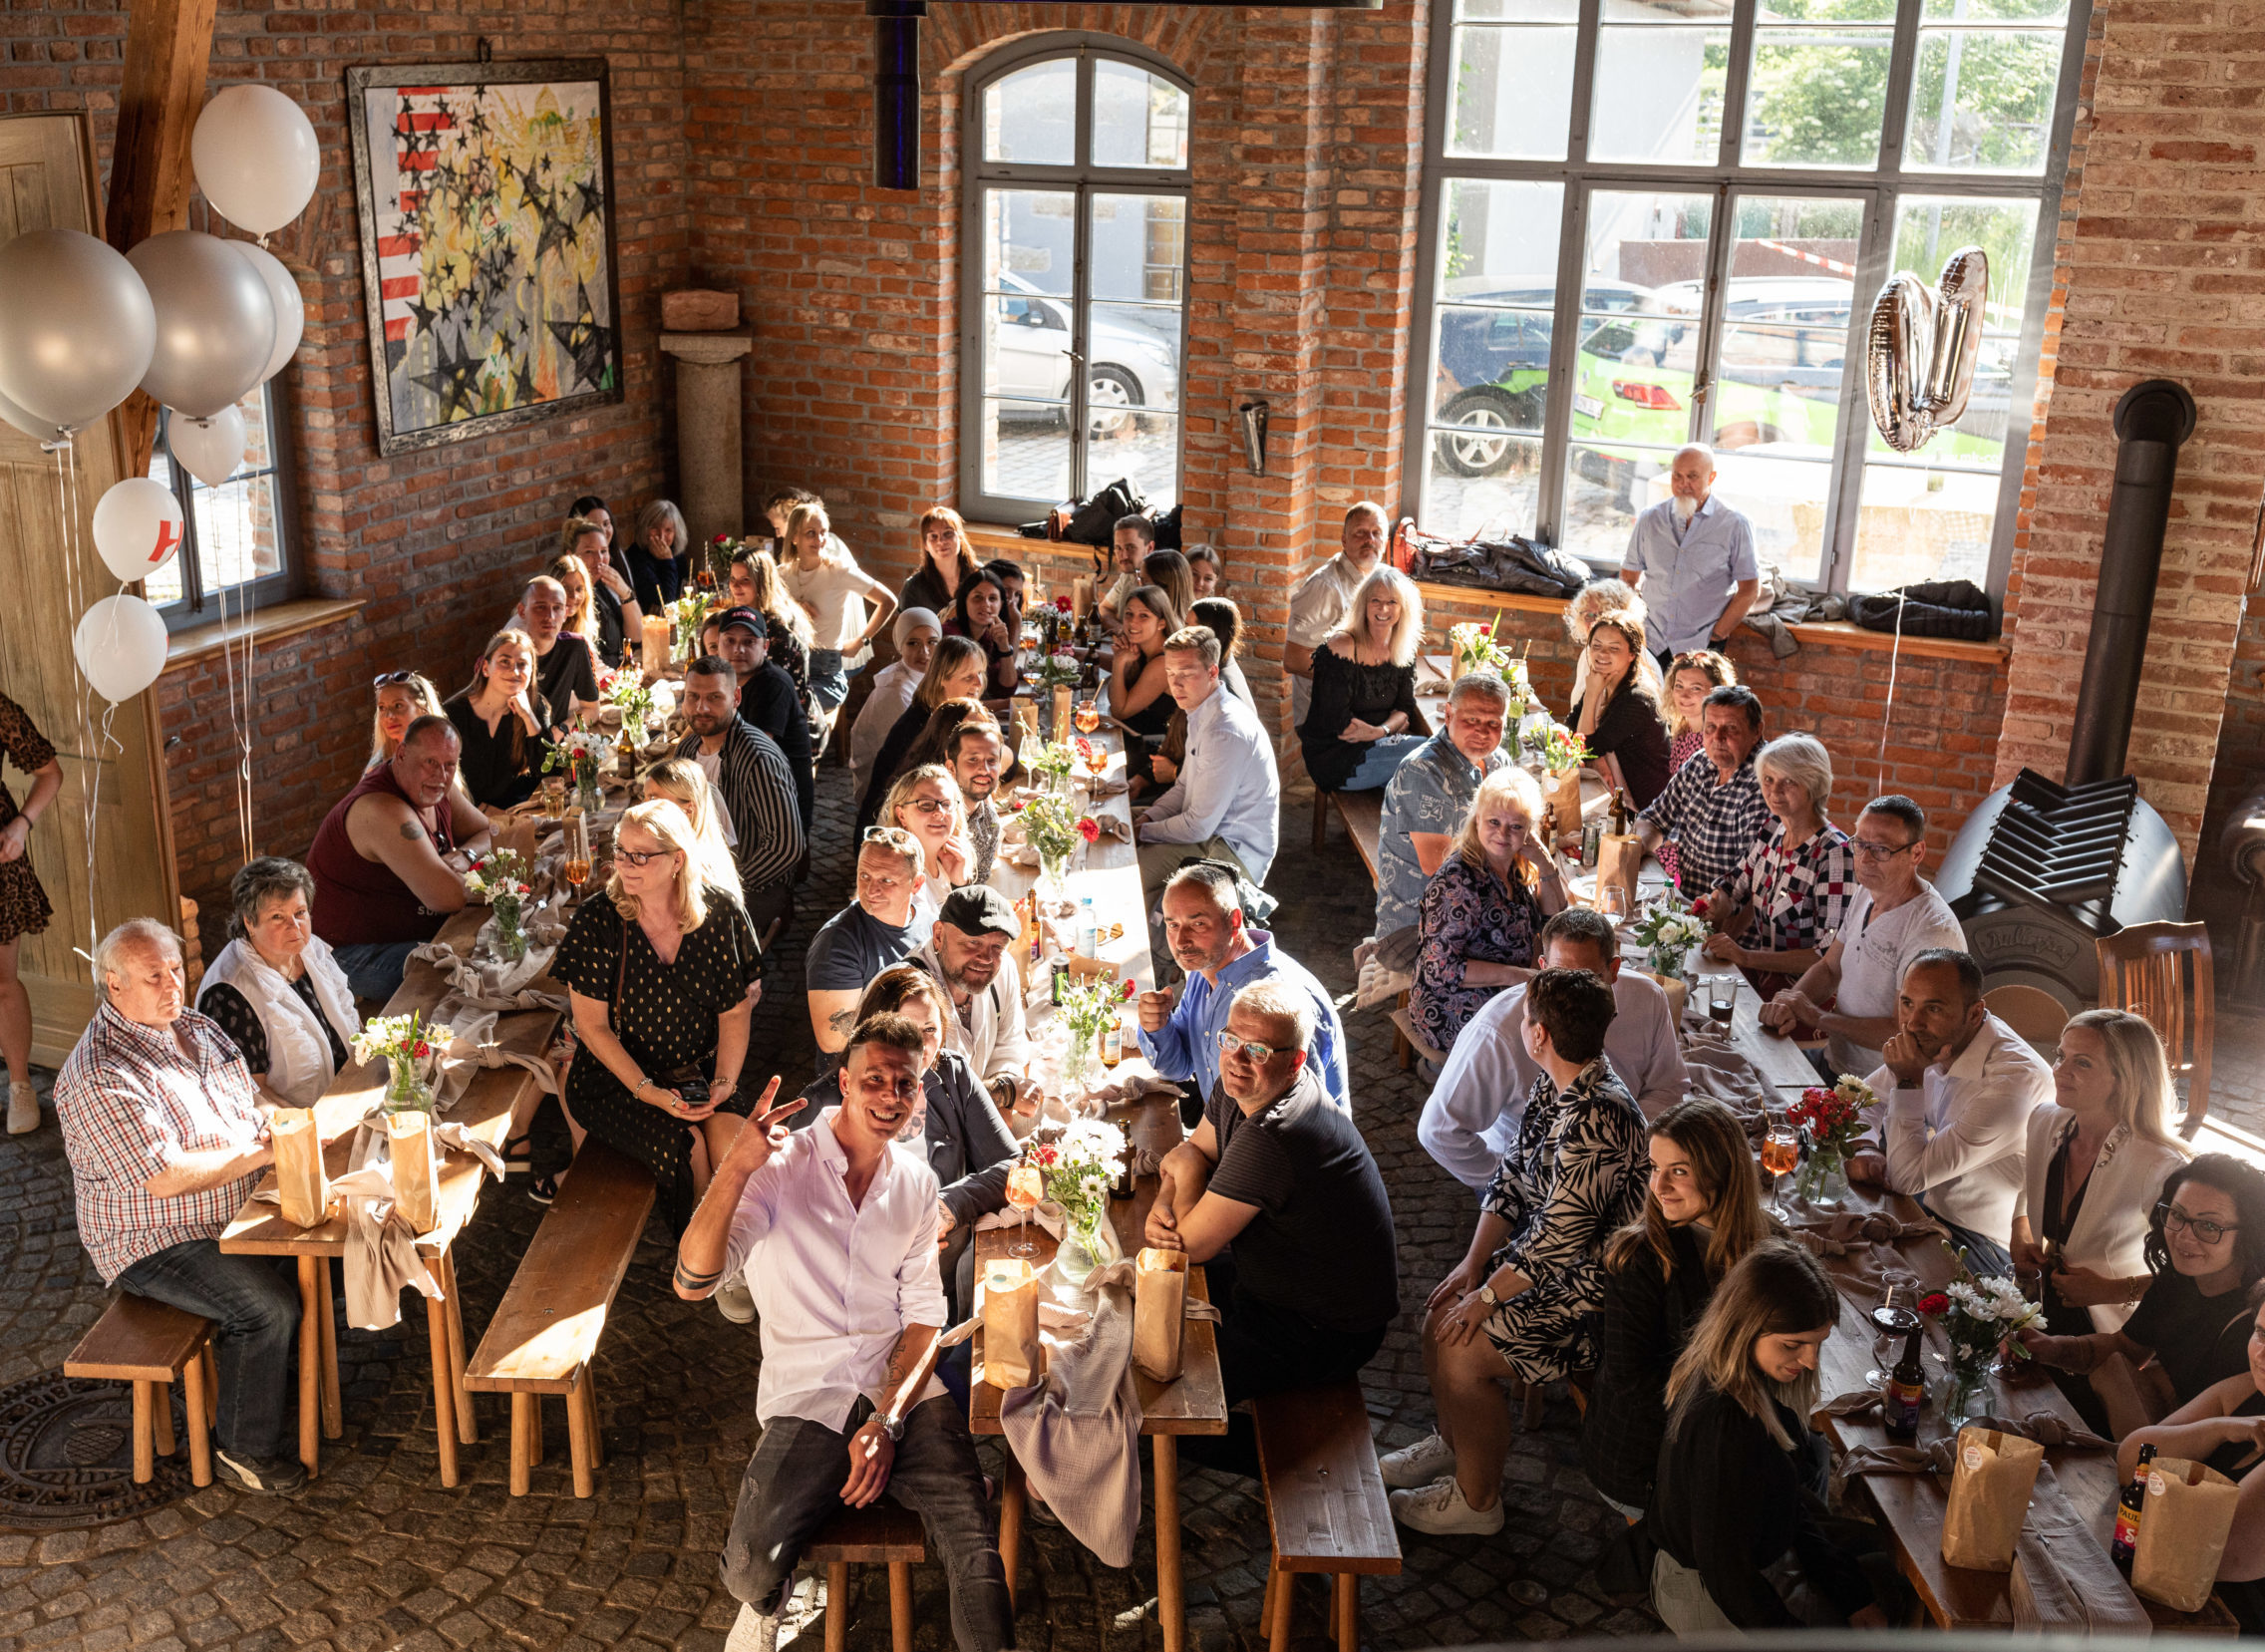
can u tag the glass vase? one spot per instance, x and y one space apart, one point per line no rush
1823 1182
406 1091
1054 875
1075 1062
510 934
1672 963
1966 1392
1089 1242
589 796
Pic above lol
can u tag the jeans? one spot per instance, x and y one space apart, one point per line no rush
1382 762
792 1486
374 968
830 683
254 1311
1984 1255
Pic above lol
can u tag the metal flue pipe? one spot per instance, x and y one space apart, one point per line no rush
896 92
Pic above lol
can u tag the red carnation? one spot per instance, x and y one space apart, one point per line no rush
1090 829
1128 992
1062 603
1699 907
1486 630
1934 1302
421 1050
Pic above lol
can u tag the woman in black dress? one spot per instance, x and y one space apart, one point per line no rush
947 561
1138 696
594 613
956 671
1357 727
980 613
504 722
23 903
658 556
1618 716
662 975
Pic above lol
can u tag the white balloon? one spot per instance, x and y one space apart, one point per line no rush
138 527
256 157
119 646
208 449
290 308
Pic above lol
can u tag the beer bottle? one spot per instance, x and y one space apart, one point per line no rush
1619 812
2129 1508
1906 1388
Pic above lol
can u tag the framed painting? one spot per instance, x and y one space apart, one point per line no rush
485 194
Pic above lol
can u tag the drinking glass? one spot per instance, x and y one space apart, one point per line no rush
1025 1188
1612 902
1780 1156
578 859
1898 1297
1088 716
1721 1000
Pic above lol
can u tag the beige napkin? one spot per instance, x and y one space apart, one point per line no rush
1114 827
1134 1087
490 983
470 1047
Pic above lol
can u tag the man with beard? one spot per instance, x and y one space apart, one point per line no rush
750 772
968 951
978 754
768 700
1203 924
1692 555
564 670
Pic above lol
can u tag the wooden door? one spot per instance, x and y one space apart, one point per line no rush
125 870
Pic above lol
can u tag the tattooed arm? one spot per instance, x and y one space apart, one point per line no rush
387 831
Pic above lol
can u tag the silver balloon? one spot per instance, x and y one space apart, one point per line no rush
26 421
215 321
290 308
75 331
1921 348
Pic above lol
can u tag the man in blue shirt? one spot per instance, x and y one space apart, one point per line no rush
1430 793
1226 803
1203 922
1694 558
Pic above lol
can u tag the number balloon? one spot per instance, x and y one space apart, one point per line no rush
1921 348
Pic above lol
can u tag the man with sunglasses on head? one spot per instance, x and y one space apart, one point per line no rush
881 926
1278 1173
1896 916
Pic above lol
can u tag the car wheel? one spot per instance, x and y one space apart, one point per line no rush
1111 395
1481 443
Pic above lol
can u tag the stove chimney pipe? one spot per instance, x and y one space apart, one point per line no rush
896 92
2151 421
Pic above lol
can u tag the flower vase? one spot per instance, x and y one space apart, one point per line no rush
589 796
1075 1061
1672 963
406 1091
1966 1392
633 735
1054 875
1822 1180
1089 1244
511 934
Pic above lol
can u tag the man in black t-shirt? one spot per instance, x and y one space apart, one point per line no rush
768 698
1280 1172
562 668
874 931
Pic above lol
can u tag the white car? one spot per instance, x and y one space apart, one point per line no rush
1130 367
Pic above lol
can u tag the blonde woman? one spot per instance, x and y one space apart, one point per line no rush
824 582
657 555
661 976
956 671
926 802
684 782
1359 720
403 697
1481 920
618 609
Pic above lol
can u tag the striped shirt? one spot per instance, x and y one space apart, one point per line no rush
758 788
133 1102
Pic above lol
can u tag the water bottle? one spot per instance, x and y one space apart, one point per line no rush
1089 929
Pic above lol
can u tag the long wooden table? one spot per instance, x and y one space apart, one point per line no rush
1109 871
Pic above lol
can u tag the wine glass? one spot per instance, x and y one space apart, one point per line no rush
1780 1154
1025 1185
1088 716
577 861
1612 902
1097 761
1894 1313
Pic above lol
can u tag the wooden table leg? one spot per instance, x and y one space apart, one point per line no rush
1013 1499
1171 1607
194 1379
468 1426
443 1388
524 1420
326 1323
162 1417
535 1429
310 1366
1347 1611
578 1432
837 1605
1285 1597
900 1606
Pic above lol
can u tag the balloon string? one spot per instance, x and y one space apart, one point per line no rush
1887 714
89 780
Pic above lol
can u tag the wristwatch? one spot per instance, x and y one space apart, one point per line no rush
892 1426
1488 1296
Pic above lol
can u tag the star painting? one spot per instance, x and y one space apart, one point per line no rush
488 246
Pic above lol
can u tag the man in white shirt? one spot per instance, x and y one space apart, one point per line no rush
836 1229
1896 916
1131 541
1227 802
1694 558
1475 1107
1956 1088
968 951
1325 596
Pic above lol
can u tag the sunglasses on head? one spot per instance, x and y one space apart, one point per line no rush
391 679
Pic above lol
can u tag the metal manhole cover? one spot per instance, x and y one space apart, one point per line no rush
67 1455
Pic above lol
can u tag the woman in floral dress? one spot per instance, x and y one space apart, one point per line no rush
1478 924
23 903
1793 887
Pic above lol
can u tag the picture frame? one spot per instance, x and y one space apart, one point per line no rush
490 278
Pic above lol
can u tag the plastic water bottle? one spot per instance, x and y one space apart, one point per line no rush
1089 929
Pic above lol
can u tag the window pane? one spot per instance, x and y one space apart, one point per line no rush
1994 11
1028 240
1512 93
1498 243
1982 99
1026 450
1031 115
1145 448
1817 97
1139 120
1134 351
1920 521
165 585
1517 11
1140 247
1639 241
235 531
1483 482
1658 92
1783 495
1604 489
1025 347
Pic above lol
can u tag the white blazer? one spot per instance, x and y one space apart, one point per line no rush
2110 1230
299 1067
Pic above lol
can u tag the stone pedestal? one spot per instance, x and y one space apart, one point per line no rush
708 488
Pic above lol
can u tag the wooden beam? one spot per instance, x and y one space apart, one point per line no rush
168 52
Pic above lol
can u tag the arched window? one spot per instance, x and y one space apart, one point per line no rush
1076 214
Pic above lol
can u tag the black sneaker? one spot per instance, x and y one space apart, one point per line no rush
279 1477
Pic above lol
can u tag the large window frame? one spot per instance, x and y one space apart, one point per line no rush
203 599
1082 180
1879 188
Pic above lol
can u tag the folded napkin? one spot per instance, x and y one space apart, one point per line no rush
470 1047
1134 1087
1717 1070
1114 826
490 983
1100 789
1935 1456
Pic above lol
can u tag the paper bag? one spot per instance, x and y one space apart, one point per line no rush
1010 1324
1064 712
1159 1300
657 636
416 1169
1082 596
1619 861
1563 794
299 1176
1026 718
2184 1521
1990 1483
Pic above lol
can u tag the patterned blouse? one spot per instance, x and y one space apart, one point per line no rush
1466 914
1799 894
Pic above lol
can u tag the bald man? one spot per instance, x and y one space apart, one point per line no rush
1692 556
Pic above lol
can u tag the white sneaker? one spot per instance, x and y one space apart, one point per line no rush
1419 1463
753 1632
1440 1509
735 1301
23 1109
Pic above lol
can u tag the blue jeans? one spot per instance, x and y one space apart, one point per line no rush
374 968
1383 761
254 1312
830 683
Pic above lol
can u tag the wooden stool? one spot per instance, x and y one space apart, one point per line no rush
879 1533
148 1344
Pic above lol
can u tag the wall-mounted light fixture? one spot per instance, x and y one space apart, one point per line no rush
1253 417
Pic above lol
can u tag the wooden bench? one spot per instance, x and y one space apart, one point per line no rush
545 1330
1324 1502
148 1344
879 1533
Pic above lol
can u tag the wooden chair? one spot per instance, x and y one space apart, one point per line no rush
148 1344
2032 1012
879 1533
545 1330
2162 971
1324 1502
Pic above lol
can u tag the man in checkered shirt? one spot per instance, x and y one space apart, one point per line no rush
1713 806
165 1141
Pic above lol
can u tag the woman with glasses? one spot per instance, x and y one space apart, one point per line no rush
2204 1250
956 671
926 802
662 976
1785 901
504 723
1483 908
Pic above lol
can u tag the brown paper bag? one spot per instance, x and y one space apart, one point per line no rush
1025 712
1159 1305
2184 1522
299 1175
1064 712
1011 1356
416 1169
1619 861
1082 596
1990 1483
1563 794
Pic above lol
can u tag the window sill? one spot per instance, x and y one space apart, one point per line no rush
267 625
